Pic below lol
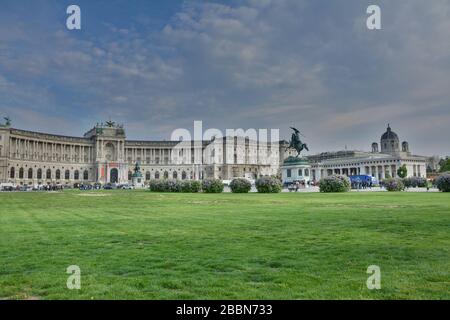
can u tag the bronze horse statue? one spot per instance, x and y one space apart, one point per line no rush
296 143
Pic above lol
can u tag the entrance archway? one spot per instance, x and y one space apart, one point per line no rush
114 176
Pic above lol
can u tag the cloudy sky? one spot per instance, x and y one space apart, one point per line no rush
159 65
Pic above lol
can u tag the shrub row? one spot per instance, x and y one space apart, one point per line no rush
175 186
238 185
335 183
414 182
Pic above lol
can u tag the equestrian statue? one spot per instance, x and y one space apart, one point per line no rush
296 143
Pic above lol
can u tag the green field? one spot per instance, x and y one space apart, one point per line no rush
142 245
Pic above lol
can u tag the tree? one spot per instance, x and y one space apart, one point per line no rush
402 172
445 165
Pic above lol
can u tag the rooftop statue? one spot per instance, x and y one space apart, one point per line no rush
7 121
110 124
296 143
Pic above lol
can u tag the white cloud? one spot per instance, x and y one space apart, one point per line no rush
251 64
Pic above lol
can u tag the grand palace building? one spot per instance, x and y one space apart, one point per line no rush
104 155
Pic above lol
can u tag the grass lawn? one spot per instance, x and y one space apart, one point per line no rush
142 245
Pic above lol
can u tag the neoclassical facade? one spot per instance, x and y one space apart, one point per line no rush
104 155
379 163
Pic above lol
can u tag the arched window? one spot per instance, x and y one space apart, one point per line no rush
58 174
48 175
166 175
129 175
21 173
85 175
76 175
39 174
183 175
157 175
30 173
147 175
12 173
67 175
175 175
306 172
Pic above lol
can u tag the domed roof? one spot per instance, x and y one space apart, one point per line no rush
389 135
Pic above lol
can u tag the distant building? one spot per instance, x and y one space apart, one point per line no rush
379 164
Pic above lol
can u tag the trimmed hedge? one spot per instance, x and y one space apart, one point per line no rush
414 182
335 183
268 185
443 182
165 185
191 186
240 185
169 185
394 184
212 186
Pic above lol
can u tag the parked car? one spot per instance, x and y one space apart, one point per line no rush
7 187
109 186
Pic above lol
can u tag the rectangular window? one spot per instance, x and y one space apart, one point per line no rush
288 173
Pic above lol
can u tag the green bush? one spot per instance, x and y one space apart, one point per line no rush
165 186
240 185
335 183
402 172
394 184
212 186
169 185
444 165
191 186
443 182
155 186
414 182
407 182
268 185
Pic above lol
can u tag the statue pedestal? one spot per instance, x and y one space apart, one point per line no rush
296 170
137 182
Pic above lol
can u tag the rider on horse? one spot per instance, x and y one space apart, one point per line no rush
296 143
